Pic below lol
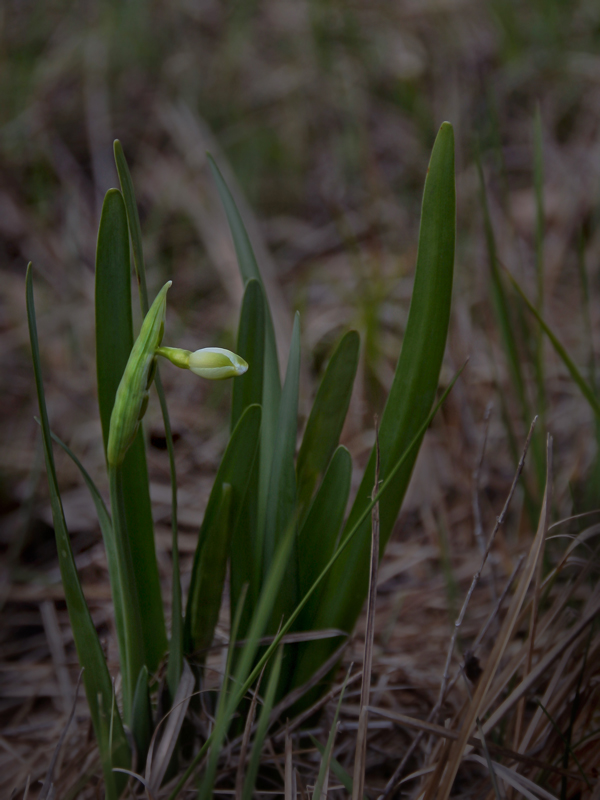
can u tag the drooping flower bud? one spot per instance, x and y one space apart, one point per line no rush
131 399
214 363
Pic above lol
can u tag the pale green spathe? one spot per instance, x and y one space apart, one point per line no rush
132 395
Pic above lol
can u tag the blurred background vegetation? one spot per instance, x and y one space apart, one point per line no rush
321 114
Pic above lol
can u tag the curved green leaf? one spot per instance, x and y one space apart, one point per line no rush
114 340
281 501
410 400
235 469
248 388
133 218
114 749
319 533
210 575
272 381
326 419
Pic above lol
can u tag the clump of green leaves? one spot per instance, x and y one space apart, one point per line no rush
278 518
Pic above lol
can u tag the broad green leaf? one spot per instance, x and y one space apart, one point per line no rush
114 750
114 340
175 665
248 388
584 387
410 400
281 503
318 535
210 574
262 727
326 419
235 469
272 382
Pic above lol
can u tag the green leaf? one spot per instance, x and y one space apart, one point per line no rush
248 388
326 419
327 753
108 536
176 645
114 750
319 533
410 400
281 503
244 674
235 469
141 719
114 340
272 382
262 727
210 574
133 219
508 326
584 387
247 550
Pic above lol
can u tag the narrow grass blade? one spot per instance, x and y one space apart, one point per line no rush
262 727
411 397
320 790
235 469
500 301
114 340
114 750
584 387
175 665
507 325
340 773
272 382
281 503
133 219
141 719
108 536
326 419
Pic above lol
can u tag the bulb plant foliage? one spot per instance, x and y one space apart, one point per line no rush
277 517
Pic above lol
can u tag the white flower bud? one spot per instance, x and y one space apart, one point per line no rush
214 363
